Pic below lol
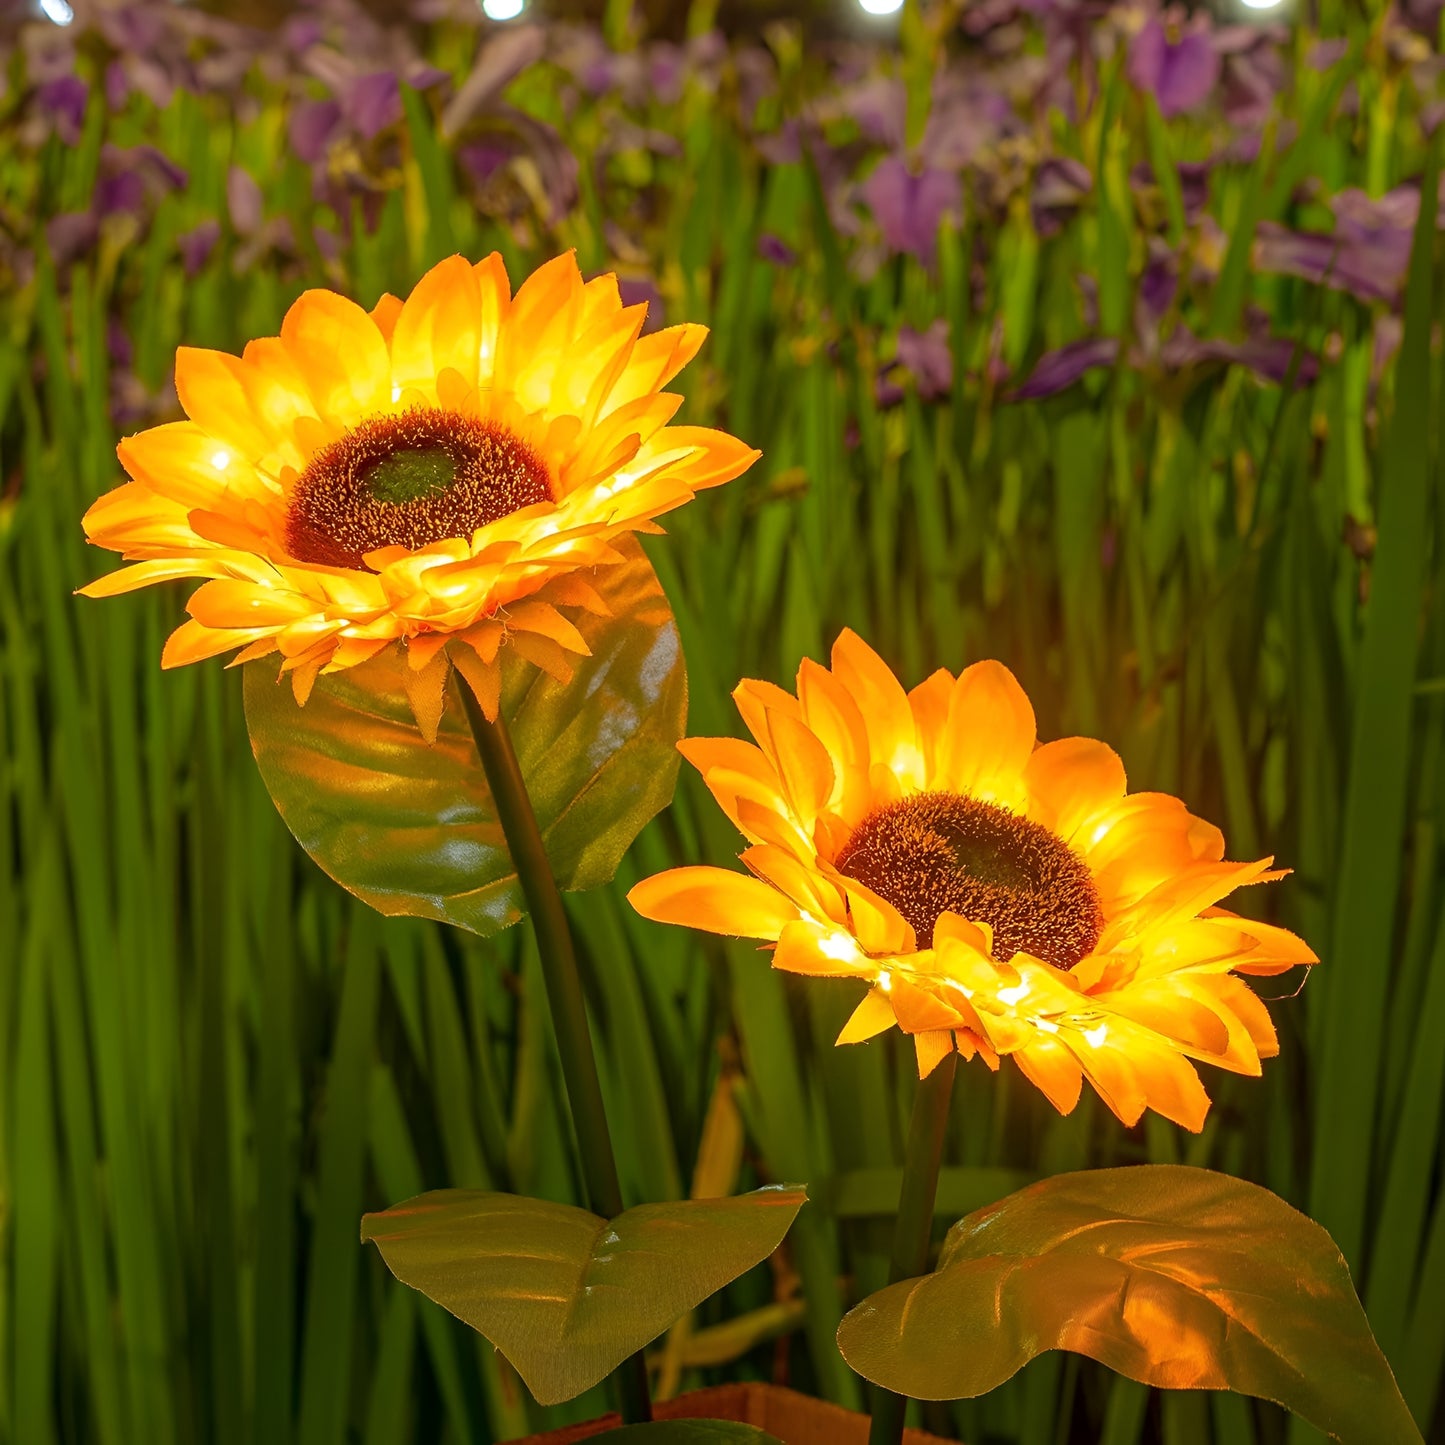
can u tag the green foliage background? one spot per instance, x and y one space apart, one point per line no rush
212 1061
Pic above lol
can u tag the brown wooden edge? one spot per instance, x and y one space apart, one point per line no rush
794 1418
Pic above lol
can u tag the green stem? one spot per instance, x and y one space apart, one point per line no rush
564 997
914 1228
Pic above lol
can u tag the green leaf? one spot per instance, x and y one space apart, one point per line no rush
688 1432
565 1295
411 829
1179 1278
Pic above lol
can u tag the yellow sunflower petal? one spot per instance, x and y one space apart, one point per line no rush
807 888
805 948
654 361
1053 1070
340 354
439 328
715 900
932 1048
869 1019
929 705
212 393
385 313
988 737
193 642
880 927
426 692
881 700
1074 782
805 769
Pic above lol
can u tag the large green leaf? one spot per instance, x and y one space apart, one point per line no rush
411 829
1179 1278
565 1295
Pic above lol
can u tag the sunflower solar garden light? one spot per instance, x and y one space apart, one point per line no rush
1014 902
436 498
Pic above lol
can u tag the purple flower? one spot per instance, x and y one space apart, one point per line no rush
1325 54
878 104
373 102
1180 73
1060 183
908 207
1157 288
775 249
1057 370
926 356
63 101
1269 357
1193 184
124 191
118 344
117 85
310 128
1364 255
243 202
499 62
70 235
197 244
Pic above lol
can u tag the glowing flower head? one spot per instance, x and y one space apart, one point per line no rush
441 472
999 897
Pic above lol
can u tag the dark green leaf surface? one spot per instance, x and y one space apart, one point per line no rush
1179 1278
411 829
565 1295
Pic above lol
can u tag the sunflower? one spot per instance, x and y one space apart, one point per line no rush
442 473
999 898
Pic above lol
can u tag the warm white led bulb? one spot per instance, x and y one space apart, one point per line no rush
503 9
881 7
57 11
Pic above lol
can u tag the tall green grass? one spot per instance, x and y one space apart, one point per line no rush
212 1061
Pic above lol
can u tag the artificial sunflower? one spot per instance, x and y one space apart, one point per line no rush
999 897
440 472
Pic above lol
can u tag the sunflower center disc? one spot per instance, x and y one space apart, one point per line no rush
422 476
943 853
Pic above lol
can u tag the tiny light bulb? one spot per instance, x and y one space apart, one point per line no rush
57 11
880 7
503 9
220 460
1262 4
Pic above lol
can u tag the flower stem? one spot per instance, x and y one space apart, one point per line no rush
564 998
914 1227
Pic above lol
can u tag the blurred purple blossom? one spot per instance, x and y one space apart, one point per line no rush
1180 71
197 244
775 249
636 290
1324 54
1254 71
1057 370
927 357
244 202
1268 357
62 100
70 235
1059 186
909 207
1367 254
310 128
498 63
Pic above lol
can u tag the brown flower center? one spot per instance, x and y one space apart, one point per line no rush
421 476
943 853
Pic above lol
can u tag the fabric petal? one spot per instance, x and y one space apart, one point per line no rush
715 900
